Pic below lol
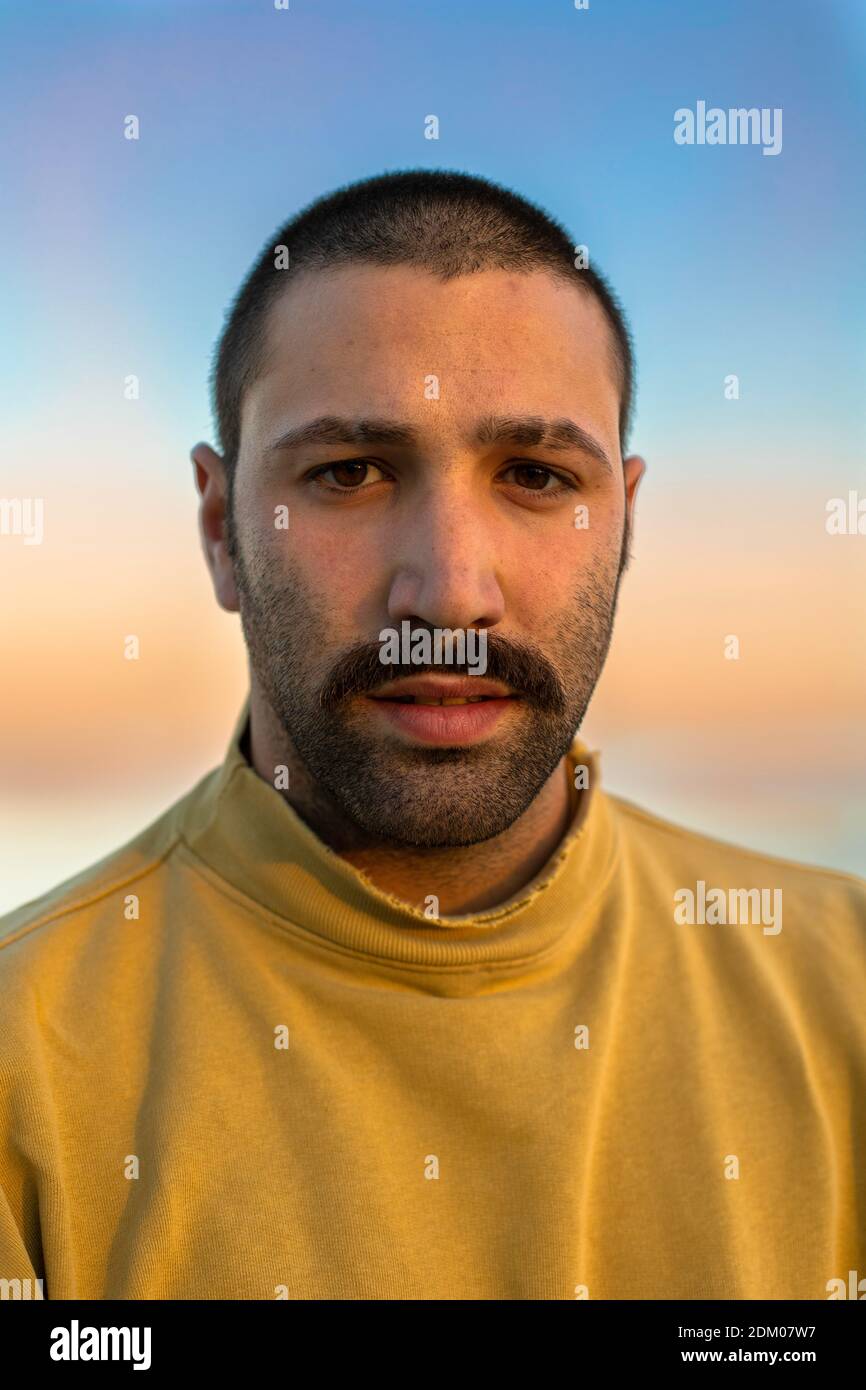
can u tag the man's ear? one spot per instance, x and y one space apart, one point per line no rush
633 468
211 481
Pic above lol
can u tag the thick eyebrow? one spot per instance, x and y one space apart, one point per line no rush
531 431
333 429
526 431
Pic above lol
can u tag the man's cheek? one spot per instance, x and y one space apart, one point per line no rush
351 579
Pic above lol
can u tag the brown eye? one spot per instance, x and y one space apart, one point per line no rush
531 476
349 473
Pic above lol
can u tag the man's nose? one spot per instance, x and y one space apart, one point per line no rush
447 568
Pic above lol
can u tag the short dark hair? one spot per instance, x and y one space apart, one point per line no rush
443 221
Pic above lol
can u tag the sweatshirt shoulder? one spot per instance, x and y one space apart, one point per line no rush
76 897
676 847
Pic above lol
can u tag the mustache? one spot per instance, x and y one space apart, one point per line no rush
523 668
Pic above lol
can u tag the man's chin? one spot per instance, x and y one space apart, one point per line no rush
403 831
408 795
438 798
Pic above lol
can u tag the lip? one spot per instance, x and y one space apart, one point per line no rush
440 688
444 726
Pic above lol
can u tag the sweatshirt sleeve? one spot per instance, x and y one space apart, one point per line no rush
18 1277
22 1265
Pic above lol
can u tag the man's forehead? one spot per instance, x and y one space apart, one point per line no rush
408 301
338 341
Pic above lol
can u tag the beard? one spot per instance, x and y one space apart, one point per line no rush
414 796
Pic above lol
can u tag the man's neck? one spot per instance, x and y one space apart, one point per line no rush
468 879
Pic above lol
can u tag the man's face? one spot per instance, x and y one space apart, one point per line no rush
441 504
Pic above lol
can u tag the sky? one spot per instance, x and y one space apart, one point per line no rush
120 258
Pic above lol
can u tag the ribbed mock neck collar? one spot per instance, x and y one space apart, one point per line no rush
250 836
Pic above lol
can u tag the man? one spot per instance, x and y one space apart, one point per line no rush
399 1002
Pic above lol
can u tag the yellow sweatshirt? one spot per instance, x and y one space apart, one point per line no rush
230 1067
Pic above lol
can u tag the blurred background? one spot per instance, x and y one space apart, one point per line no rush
120 257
